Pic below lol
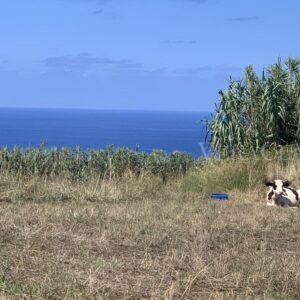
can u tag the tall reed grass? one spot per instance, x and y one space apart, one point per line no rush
258 112
78 164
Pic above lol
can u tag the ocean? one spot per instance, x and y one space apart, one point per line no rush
95 129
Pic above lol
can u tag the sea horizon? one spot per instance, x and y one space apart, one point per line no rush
144 130
106 109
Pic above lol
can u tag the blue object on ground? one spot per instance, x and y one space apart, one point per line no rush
219 196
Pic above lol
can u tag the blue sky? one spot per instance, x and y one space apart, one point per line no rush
137 54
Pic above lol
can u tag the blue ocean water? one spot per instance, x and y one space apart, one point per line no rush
95 129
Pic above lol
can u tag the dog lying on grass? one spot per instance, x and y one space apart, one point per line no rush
280 193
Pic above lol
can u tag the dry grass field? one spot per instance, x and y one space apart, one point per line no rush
139 238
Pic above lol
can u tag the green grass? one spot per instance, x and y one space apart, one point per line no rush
258 112
77 164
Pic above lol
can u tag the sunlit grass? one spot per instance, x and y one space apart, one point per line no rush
138 237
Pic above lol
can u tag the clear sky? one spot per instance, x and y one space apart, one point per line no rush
137 54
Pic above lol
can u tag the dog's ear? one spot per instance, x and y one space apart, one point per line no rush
286 183
268 183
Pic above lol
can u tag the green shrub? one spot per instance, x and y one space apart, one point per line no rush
78 164
258 113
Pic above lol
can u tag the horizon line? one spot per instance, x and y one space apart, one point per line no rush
104 109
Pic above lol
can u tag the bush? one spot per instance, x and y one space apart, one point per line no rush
77 164
258 113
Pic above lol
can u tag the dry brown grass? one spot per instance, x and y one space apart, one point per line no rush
141 239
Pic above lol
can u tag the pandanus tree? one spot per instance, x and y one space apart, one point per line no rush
257 113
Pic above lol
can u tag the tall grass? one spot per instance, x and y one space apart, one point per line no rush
77 164
258 112
137 238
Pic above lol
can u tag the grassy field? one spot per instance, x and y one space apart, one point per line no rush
142 238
